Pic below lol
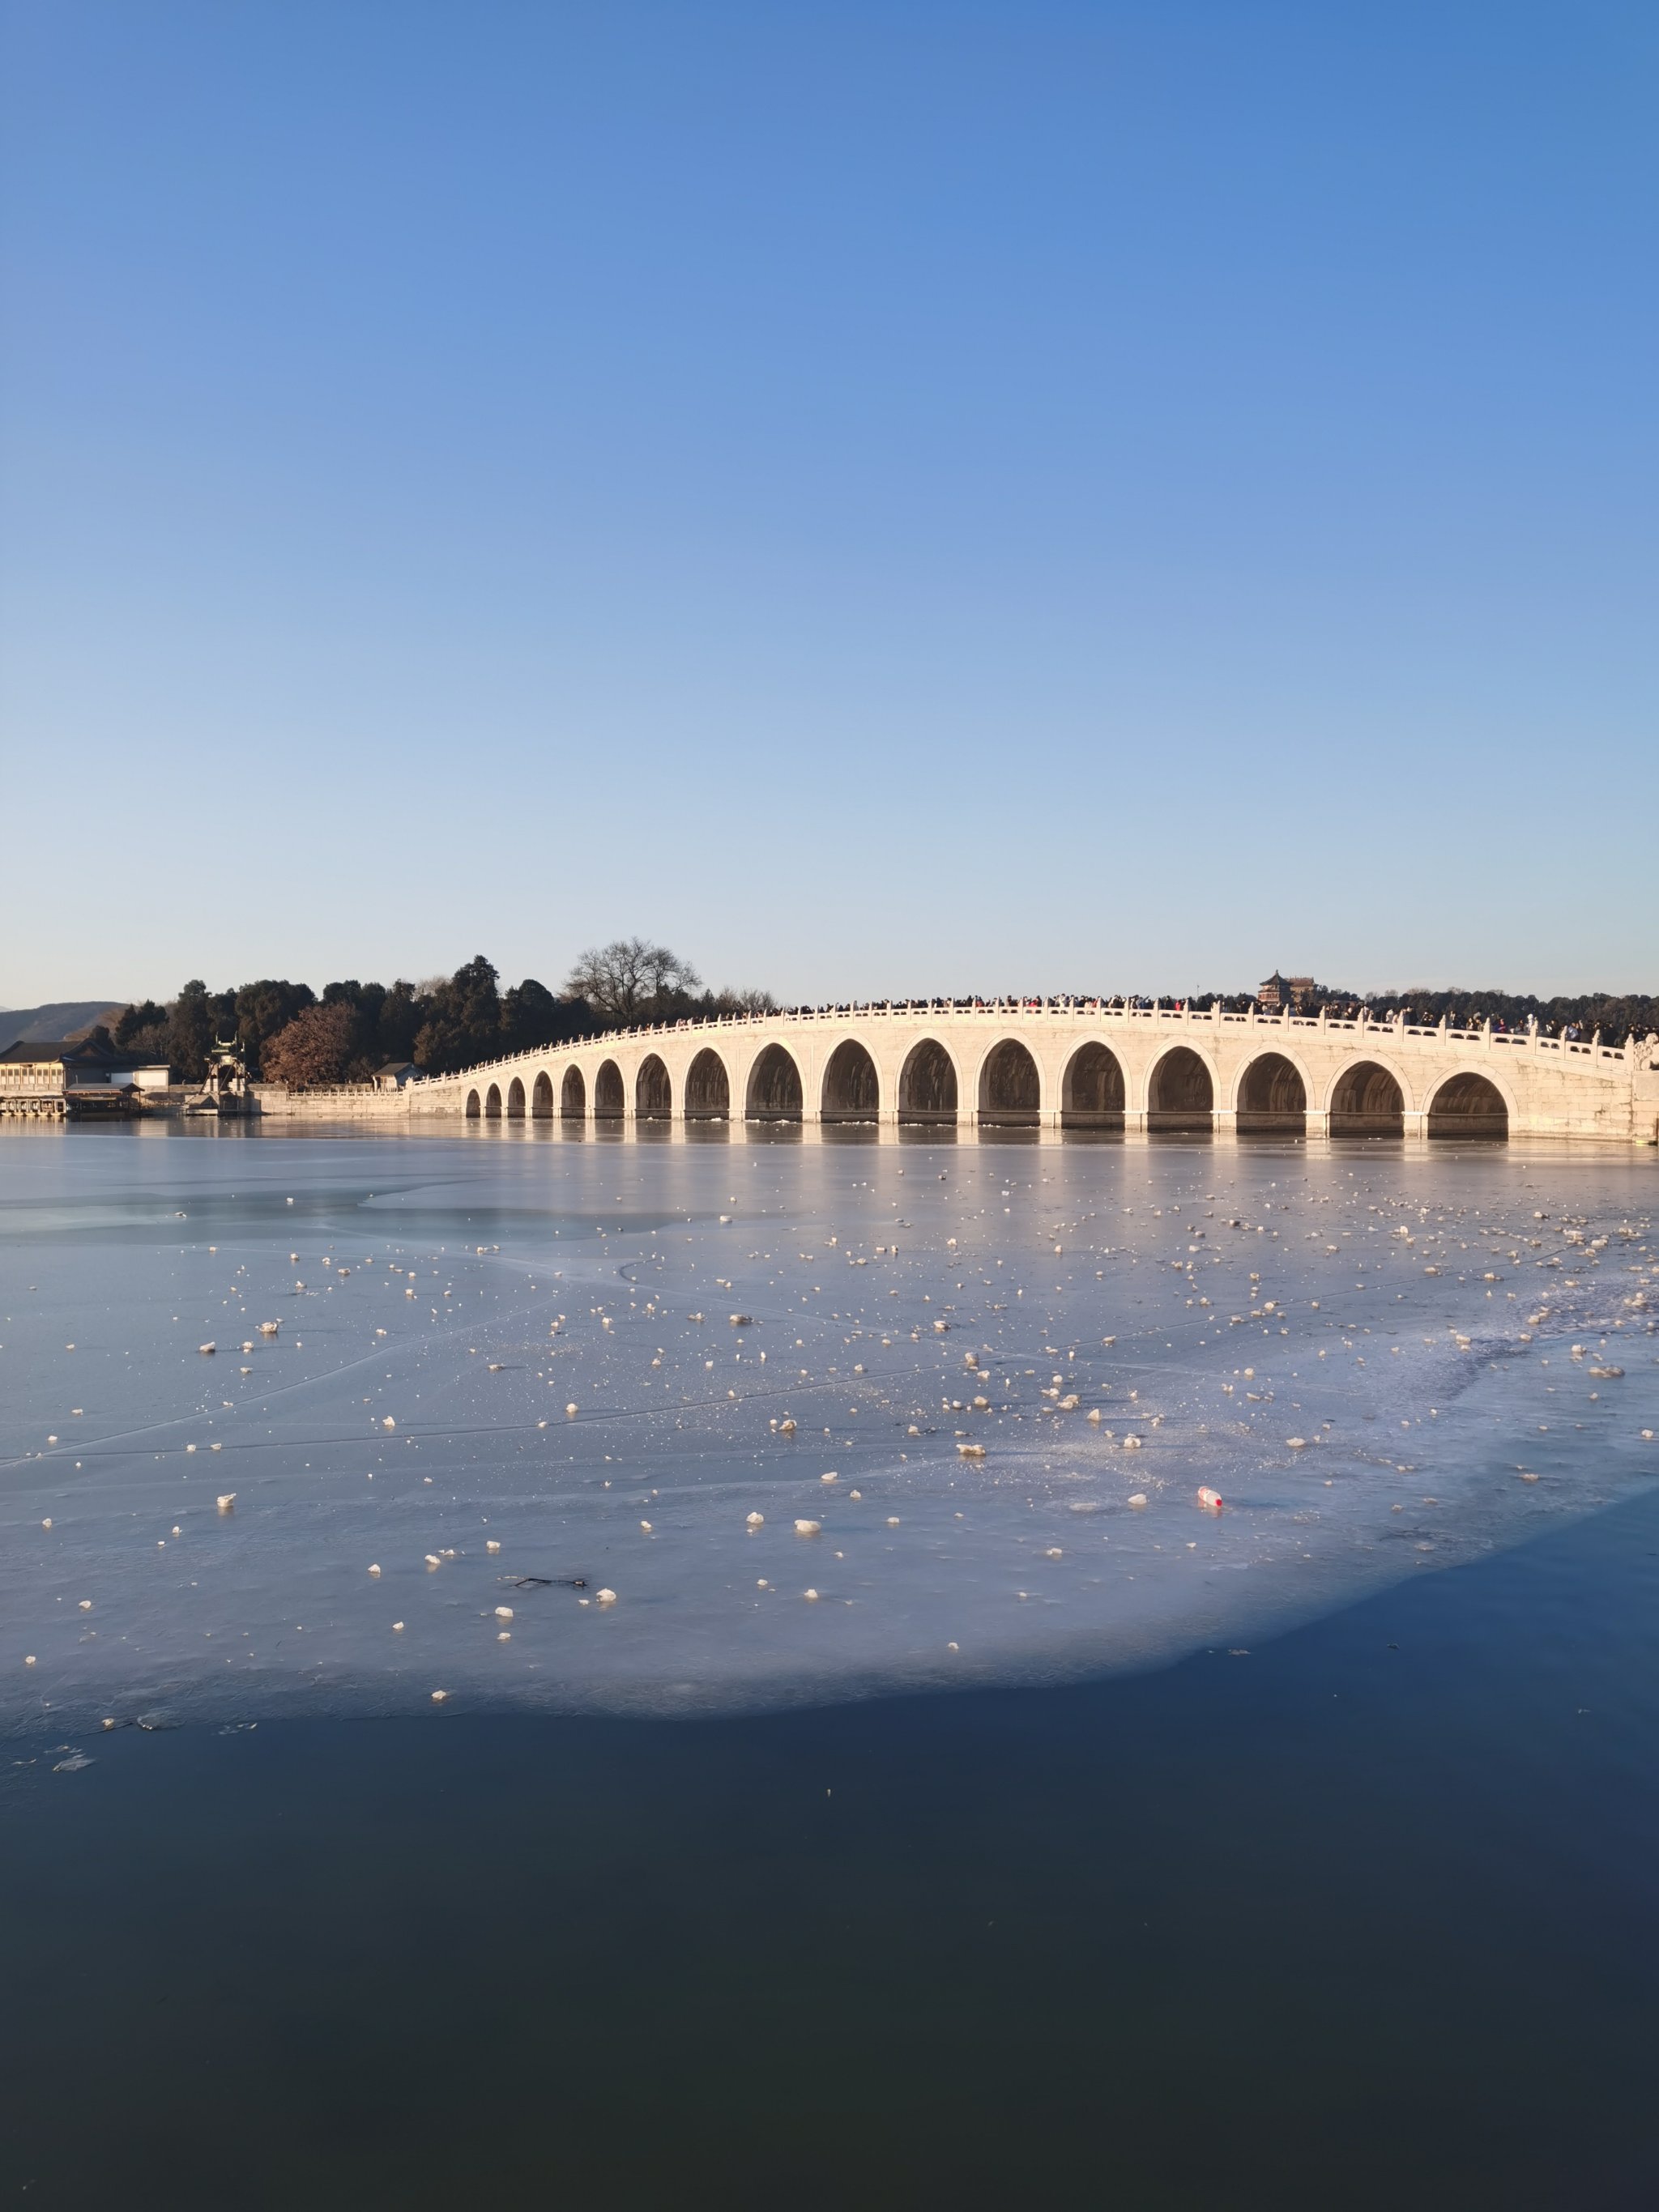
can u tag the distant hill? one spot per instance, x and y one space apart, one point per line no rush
68 1018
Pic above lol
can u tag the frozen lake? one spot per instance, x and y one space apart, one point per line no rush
495 1413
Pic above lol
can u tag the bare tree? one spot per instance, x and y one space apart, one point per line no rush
631 981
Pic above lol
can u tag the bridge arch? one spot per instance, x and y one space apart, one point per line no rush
540 1098
610 1099
1367 1099
1010 1085
654 1093
774 1091
573 1095
1092 1093
707 1087
516 1100
852 1088
1468 1105
928 1088
1181 1090
472 1106
493 1102
1271 1095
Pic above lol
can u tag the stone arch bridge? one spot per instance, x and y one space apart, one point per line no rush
1071 1064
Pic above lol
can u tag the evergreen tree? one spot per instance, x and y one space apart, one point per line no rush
192 1020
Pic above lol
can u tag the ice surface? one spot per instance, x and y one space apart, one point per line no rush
1367 1350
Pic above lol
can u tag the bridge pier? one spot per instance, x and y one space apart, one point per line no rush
1224 1120
1416 1125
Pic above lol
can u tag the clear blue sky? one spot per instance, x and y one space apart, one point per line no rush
884 498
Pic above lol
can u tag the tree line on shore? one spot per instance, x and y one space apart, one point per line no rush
289 1033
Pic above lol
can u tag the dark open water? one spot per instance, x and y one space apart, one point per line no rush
1335 1924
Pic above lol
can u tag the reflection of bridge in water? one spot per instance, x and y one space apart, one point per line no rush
1071 1064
